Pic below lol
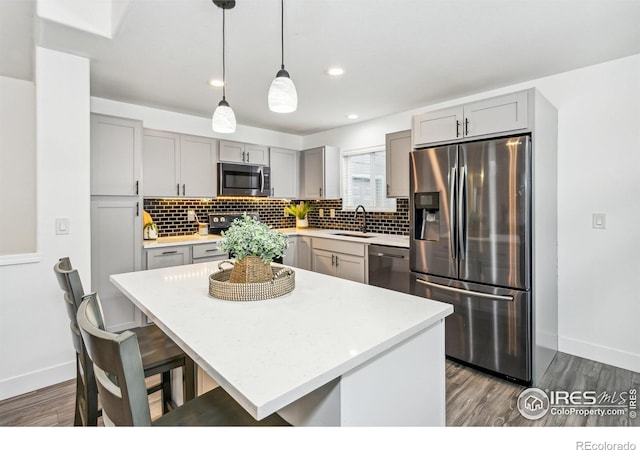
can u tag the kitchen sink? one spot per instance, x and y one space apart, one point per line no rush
358 235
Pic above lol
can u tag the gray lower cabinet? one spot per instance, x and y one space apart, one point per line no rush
290 257
158 258
341 259
303 252
116 239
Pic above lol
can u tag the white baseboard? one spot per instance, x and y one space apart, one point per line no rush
600 353
22 384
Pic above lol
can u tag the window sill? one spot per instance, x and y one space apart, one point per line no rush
24 258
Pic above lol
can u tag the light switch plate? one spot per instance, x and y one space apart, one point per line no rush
599 221
332 212
191 216
321 212
62 225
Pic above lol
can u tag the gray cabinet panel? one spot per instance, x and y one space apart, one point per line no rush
168 257
398 147
284 173
161 164
197 166
116 241
116 155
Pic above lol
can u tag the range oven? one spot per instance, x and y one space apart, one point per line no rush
243 180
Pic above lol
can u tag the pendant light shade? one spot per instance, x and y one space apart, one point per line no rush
224 120
283 97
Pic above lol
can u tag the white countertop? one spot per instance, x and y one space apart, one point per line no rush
375 238
269 353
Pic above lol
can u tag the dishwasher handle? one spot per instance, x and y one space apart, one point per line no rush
387 255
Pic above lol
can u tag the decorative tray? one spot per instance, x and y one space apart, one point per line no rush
283 282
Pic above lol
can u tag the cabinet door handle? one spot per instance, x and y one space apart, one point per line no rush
336 261
178 189
170 253
137 185
273 192
387 189
137 209
183 190
466 127
242 156
247 156
333 260
457 128
320 192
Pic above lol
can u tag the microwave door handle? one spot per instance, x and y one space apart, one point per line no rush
261 180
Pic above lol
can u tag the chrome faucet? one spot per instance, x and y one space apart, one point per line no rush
363 228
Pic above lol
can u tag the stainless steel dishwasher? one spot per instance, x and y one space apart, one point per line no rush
389 267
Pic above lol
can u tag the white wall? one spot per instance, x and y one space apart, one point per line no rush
159 119
598 156
17 167
36 345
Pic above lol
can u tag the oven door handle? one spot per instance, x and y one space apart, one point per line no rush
507 298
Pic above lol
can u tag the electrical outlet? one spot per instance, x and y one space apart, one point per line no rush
599 221
321 212
332 212
284 212
191 216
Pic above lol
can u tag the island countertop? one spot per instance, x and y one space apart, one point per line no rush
269 353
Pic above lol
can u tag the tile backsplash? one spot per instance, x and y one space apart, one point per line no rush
171 214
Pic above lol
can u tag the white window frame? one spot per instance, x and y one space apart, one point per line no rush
343 173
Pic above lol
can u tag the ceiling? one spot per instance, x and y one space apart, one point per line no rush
397 54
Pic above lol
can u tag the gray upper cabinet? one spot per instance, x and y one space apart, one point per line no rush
241 153
485 117
197 166
177 165
161 164
320 173
116 156
284 172
398 147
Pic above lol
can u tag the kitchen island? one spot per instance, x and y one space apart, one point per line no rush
331 353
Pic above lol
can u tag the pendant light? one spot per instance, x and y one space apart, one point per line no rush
283 97
224 120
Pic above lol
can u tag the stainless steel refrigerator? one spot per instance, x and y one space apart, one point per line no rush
470 246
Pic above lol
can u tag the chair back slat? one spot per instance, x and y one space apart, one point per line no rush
118 369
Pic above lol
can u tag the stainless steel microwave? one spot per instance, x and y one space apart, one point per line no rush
243 180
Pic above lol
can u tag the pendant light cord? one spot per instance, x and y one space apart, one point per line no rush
282 30
224 79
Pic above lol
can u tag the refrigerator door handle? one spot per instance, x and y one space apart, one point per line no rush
507 298
462 232
453 182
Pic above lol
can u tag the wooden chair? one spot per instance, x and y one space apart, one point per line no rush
159 354
117 364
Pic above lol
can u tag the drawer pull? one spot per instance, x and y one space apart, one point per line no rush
170 253
211 250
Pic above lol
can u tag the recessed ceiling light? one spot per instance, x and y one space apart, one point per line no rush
216 83
335 71
352 116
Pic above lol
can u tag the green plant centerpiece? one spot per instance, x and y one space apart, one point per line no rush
299 211
254 245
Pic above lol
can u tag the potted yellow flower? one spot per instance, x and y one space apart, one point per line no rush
300 212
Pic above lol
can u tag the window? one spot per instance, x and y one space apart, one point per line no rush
364 180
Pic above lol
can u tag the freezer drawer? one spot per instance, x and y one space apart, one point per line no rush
489 328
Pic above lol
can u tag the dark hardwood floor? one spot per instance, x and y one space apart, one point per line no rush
473 398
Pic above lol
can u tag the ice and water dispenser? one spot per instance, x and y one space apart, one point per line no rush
427 216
